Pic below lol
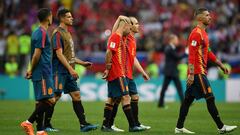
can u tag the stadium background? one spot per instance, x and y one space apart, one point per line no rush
93 20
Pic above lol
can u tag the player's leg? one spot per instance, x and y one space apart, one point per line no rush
72 89
211 106
166 82
59 81
107 115
113 115
178 87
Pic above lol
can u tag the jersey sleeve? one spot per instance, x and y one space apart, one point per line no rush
211 55
57 41
193 44
40 39
113 42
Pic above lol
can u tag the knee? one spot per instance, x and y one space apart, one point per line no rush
109 101
76 96
126 99
51 101
57 96
134 98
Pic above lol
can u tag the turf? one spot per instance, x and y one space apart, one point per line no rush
162 121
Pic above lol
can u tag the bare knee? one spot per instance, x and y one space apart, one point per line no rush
75 96
126 100
134 97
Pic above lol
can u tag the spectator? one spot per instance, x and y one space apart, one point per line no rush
11 67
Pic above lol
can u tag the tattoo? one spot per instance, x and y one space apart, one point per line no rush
191 68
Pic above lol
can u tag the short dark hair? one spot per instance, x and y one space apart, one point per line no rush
43 13
200 11
61 12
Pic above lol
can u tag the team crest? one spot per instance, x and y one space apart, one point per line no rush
60 86
194 43
112 45
50 91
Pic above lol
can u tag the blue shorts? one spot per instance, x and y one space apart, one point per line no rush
43 89
117 88
132 86
65 83
200 88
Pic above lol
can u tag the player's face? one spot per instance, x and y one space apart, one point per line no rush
176 41
135 25
68 19
50 18
206 18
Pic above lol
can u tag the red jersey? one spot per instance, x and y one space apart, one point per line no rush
199 51
131 54
118 48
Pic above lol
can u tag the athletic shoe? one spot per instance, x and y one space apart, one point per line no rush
107 129
28 128
51 129
226 129
183 131
88 127
136 129
145 127
41 133
116 129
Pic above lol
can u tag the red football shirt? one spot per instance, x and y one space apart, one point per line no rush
199 51
118 48
131 54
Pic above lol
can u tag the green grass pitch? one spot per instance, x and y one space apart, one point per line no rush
162 121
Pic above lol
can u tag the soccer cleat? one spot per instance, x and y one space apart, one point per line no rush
107 129
145 127
88 127
183 131
27 128
226 129
51 129
116 129
41 133
136 129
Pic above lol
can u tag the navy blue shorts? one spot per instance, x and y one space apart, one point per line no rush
200 87
117 88
65 83
132 86
43 89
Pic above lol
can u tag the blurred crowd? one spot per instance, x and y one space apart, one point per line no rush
93 20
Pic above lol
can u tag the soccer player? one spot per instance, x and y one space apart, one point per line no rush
170 69
64 61
41 73
131 62
197 83
115 75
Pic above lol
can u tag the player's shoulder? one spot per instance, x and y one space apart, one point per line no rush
114 36
196 32
37 33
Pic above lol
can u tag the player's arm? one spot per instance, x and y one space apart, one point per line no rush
192 48
116 24
214 59
83 63
140 69
108 61
57 44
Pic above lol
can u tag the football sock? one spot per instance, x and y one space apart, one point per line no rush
48 116
212 109
134 106
79 111
42 107
107 114
114 113
184 111
128 112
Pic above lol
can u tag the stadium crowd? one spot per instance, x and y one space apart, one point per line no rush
93 20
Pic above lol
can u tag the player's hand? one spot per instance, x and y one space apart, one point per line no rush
105 74
28 74
225 70
190 79
145 76
74 74
87 64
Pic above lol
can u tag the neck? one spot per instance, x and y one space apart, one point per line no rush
201 25
132 33
64 26
44 25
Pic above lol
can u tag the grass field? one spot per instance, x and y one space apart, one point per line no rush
162 121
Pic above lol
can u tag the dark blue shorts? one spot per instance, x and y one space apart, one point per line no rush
65 83
132 86
117 88
43 89
200 87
